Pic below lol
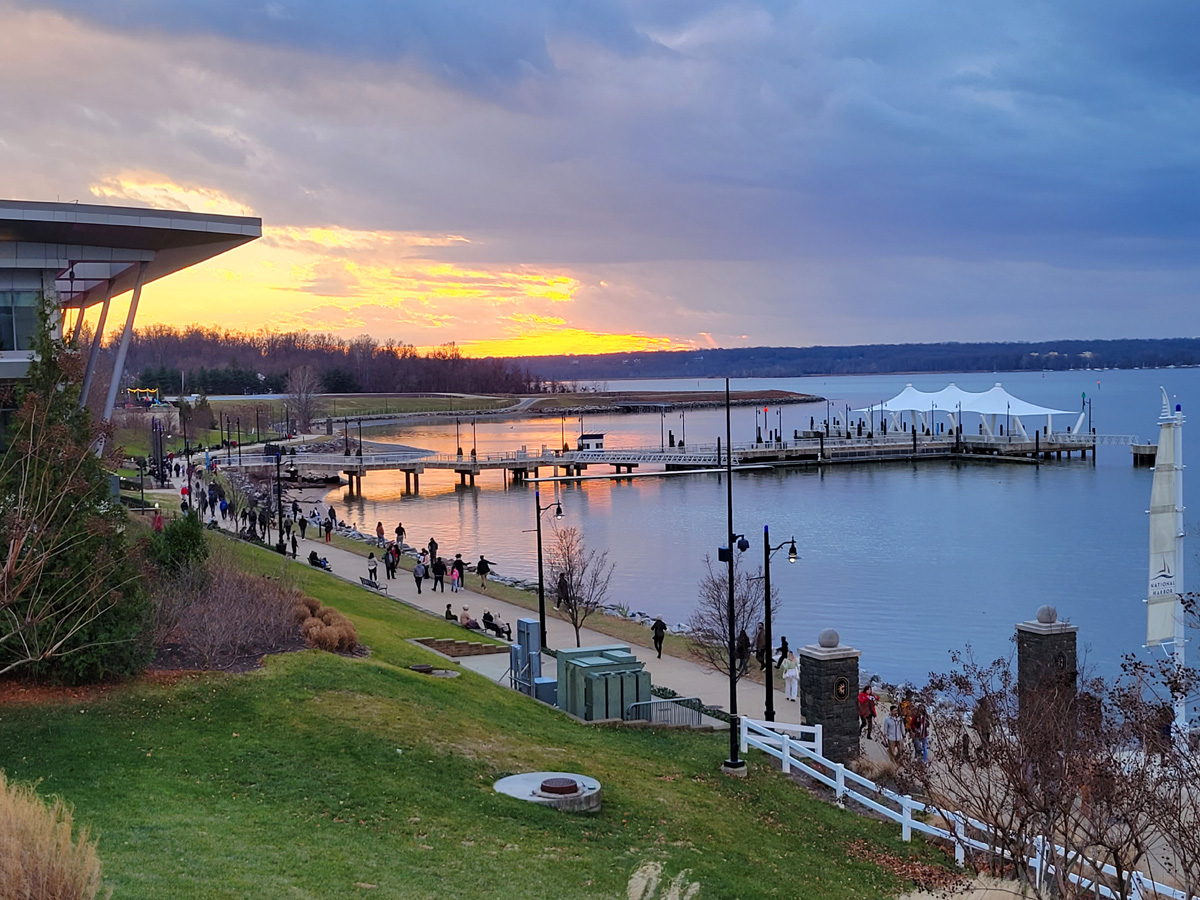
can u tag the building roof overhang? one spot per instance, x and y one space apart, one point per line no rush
93 246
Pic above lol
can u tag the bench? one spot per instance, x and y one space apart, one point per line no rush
374 585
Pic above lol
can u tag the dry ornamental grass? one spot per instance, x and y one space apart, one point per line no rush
39 857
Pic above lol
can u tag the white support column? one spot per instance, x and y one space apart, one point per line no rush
94 353
123 348
78 327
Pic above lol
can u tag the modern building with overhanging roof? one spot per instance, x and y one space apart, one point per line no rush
83 255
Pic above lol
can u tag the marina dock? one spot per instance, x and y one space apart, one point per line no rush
521 465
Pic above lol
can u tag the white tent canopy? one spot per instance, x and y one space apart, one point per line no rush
952 401
994 402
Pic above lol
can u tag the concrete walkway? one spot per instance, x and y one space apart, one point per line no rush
686 677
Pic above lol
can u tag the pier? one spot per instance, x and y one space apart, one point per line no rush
808 450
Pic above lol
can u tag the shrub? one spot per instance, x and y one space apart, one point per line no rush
38 855
312 603
179 545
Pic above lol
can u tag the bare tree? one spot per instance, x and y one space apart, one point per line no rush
303 385
587 573
709 623
1050 765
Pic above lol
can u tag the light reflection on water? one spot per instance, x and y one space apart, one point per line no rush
905 561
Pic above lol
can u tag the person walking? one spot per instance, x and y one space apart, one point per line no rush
743 652
419 574
454 576
760 646
866 711
893 732
659 629
328 531
439 574
783 651
379 534
389 562
459 566
295 546
920 735
483 568
372 565
303 523
563 591
791 677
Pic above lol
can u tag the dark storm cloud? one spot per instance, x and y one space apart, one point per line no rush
886 162
464 41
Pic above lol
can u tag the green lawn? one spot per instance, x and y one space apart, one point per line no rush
318 774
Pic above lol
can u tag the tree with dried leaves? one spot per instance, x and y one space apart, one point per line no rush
71 601
303 385
709 622
1085 766
587 572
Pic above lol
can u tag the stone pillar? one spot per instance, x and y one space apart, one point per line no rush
1046 663
829 694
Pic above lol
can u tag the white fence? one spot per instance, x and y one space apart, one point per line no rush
776 739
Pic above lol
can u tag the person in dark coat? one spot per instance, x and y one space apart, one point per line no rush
482 568
760 646
563 591
783 652
659 630
743 652
439 574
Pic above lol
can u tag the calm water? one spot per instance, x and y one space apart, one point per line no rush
906 561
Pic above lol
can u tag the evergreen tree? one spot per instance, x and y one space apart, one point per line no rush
72 604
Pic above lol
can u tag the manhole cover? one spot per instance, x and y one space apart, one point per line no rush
559 786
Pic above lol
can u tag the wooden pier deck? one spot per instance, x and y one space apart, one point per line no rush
521 464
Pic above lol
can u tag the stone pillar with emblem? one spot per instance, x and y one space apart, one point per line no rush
829 694
1046 663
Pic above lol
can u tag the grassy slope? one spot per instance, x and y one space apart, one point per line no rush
287 783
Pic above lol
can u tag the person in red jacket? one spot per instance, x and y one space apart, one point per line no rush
866 711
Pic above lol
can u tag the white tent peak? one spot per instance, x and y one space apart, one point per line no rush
993 402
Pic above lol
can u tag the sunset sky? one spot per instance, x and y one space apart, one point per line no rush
539 176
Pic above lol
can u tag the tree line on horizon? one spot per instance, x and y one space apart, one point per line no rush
224 361
869 359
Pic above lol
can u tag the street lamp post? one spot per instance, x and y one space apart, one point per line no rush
768 551
537 502
360 437
239 441
346 433
733 764
279 546
457 439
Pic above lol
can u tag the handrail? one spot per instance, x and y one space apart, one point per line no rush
673 711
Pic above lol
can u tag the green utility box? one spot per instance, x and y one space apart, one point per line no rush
600 682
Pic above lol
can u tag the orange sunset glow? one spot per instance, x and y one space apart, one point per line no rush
387 284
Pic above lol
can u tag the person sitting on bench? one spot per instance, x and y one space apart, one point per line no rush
496 624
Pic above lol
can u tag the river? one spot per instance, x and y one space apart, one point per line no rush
906 561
